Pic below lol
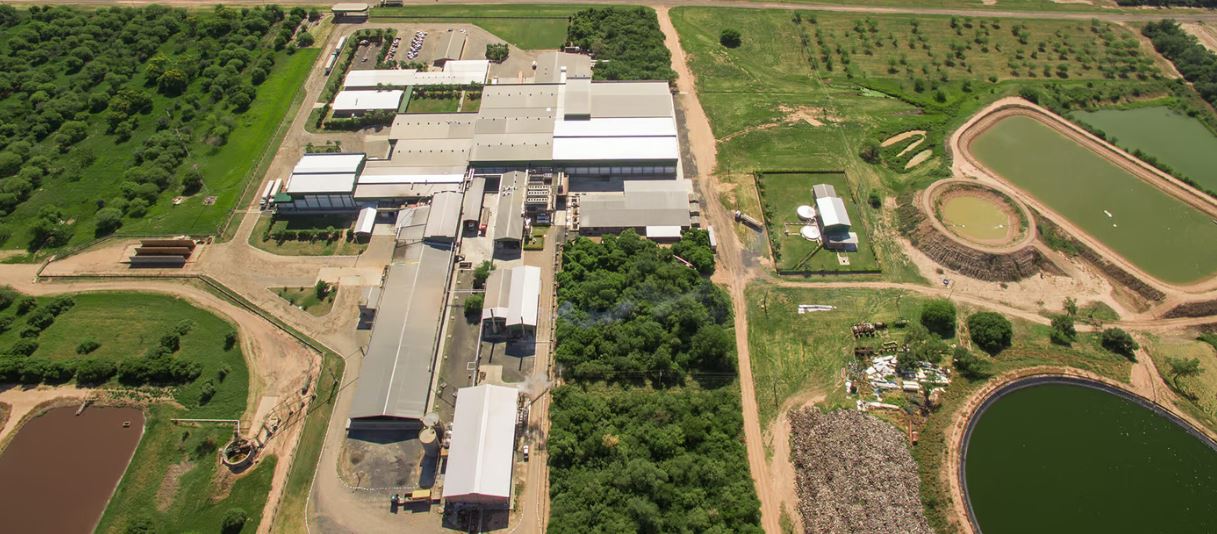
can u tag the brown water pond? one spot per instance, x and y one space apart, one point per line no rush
58 472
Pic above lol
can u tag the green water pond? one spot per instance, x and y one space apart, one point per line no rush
974 217
1173 138
1151 229
1065 458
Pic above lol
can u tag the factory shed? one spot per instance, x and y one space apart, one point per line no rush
395 378
481 457
365 223
659 209
454 47
352 103
509 217
444 221
321 182
512 297
471 210
832 213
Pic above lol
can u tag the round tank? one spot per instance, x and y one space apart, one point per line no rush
429 440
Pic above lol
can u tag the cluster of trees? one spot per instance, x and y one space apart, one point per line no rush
497 51
379 36
627 39
694 247
632 313
657 448
171 75
1193 60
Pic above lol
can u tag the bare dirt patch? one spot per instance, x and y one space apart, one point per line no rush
1207 35
912 146
901 137
814 116
169 485
920 158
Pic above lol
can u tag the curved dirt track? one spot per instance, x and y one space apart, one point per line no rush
966 164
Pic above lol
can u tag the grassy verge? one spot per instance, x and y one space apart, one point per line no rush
306 299
1199 392
433 105
307 245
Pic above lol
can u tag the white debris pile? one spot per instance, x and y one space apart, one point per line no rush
855 474
882 376
881 372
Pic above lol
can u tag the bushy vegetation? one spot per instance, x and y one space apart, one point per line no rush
1063 331
497 51
1195 62
990 331
938 316
125 103
1119 342
626 39
646 433
729 38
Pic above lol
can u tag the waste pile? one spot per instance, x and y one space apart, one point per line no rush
854 474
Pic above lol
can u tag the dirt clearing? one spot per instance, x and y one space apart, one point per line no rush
901 137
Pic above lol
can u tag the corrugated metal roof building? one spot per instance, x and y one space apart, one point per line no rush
512 298
444 222
509 216
348 103
482 454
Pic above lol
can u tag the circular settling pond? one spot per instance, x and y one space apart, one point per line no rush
1063 457
979 215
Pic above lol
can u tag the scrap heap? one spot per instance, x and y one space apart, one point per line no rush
854 474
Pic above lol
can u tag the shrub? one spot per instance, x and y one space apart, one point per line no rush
870 151
729 38
60 305
184 327
497 52
474 303
234 521
108 220
171 342
40 319
970 365
25 305
321 289
481 273
92 371
304 39
875 199
207 391
5 324
87 346
7 296
1119 342
938 316
24 347
1063 332
990 331
230 340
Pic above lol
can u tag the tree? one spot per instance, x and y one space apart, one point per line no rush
729 38
108 220
93 371
24 347
870 151
1119 342
1063 331
938 316
990 331
173 82
304 39
970 365
1071 306
234 521
49 229
473 304
321 289
10 163
497 52
481 273
1183 367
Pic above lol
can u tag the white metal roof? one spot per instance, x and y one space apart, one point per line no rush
617 127
465 72
659 232
615 148
321 183
412 175
832 211
328 163
366 221
483 444
514 295
367 100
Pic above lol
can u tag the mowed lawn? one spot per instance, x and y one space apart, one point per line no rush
527 26
782 194
1155 231
1180 141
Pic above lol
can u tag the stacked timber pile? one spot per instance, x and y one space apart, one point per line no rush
855 474
992 267
162 253
1202 308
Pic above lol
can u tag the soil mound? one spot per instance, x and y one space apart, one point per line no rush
855 474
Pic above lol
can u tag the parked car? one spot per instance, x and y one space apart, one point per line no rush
526 453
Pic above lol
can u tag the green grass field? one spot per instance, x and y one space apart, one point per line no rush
433 105
1200 391
306 299
261 238
1136 219
782 194
1181 142
128 324
527 26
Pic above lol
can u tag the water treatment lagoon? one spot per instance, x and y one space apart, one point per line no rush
60 469
975 217
1064 457
1147 226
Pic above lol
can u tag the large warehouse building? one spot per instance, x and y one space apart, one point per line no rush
481 456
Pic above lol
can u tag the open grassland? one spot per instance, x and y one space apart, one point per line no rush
1181 142
1200 391
1145 225
142 106
528 26
127 326
782 194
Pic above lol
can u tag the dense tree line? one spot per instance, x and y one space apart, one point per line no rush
626 42
646 432
1195 63
164 78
